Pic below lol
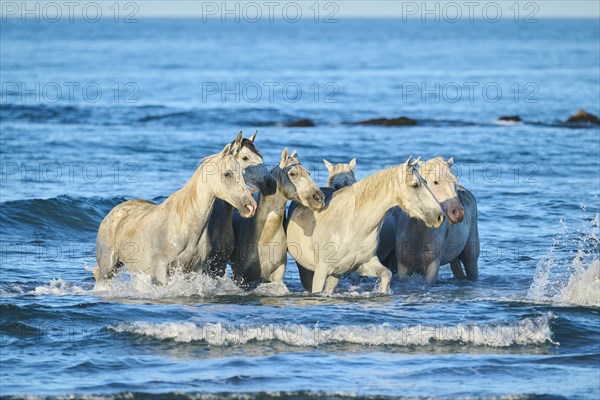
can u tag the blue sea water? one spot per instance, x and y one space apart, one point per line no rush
93 114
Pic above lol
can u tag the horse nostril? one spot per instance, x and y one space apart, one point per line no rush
457 214
440 218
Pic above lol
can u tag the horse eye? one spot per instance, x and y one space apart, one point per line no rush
415 185
436 183
227 174
293 174
245 158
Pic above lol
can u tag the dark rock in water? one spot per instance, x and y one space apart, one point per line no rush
583 117
300 123
400 121
510 118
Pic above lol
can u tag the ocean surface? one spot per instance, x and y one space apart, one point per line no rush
93 114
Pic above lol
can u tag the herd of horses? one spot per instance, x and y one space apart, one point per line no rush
409 218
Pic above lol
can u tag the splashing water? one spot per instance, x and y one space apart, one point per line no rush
127 285
570 282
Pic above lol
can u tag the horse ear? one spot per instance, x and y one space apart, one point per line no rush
352 164
416 162
226 150
328 165
294 154
237 143
239 138
408 162
284 156
450 161
251 138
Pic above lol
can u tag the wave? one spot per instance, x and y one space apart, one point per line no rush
144 115
70 213
73 114
570 282
528 331
159 115
261 395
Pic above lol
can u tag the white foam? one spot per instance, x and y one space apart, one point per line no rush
528 331
576 282
141 286
583 287
59 287
272 289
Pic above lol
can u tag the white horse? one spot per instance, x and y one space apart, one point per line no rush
158 238
422 249
343 237
260 242
340 175
218 239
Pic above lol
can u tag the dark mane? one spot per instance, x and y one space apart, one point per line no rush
249 144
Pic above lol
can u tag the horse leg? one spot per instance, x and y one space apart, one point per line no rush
470 253
373 267
306 277
160 274
319 278
277 275
401 269
469 258
331 283
107 261
431 272
457 270
390 261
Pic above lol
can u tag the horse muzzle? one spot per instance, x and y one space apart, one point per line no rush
317 201
456 215
249 209
435 220
454 210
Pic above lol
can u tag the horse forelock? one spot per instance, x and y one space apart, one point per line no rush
432 165
339 169
249 144
290 162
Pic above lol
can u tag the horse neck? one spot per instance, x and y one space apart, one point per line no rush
375 196
270 206
330 180
191 205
